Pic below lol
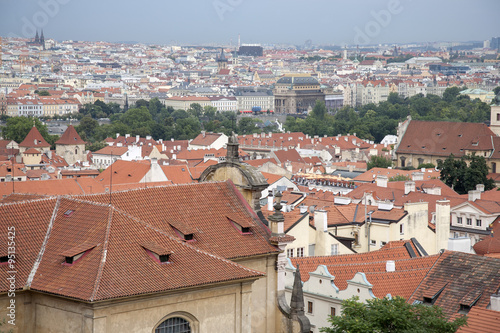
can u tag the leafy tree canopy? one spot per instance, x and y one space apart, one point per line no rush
462 177
378 162
17 128
393 315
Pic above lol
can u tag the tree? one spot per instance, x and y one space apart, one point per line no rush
42 92
378 162
462 178
18 127
496 90
391 315
319 110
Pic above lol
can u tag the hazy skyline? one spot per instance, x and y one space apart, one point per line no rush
258 21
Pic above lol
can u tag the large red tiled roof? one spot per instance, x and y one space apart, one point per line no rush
441 138
70 137
66 186
202 206
34 139
116 263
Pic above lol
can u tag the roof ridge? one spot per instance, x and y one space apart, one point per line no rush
27 200
36 264
104 254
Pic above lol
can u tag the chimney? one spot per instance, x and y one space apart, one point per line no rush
474 195
390 266
442 224
495 302
270 201
321 225
203 133
303 209
154 160
417 176
382 181
137 138
409 187
117 135
480 187
127 136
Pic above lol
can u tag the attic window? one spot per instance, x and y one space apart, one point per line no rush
157 252
460 135
74 254
241 225
184 231
68 213
433 293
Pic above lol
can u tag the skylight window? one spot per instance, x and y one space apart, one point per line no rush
68 213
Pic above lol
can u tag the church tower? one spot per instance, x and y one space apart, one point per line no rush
42 40
221 61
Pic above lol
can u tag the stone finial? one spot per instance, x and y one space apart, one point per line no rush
297 301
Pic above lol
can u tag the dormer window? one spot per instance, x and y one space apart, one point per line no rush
433 293
76 253
241 225
157 252
184 231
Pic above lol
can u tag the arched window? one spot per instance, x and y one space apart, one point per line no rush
174 325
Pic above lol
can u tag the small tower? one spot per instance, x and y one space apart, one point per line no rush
42 40
495 115
37 38
221 60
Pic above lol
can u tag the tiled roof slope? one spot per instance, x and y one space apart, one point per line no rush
205 139
70 137
443 138
481 321
205 207
65 186
115 264
460 274
34 139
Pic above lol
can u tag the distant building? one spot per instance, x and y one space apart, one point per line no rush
38 41
296 94
253 50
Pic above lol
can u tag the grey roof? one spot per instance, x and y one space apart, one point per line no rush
298 80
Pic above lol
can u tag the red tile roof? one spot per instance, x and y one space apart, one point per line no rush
481 321
70 137
440 138
34 139
115 262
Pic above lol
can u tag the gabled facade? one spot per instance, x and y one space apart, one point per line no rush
71 147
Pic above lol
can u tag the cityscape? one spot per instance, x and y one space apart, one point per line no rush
234 166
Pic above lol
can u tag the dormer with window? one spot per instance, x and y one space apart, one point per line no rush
432 294
240 224
157 252
74 254
185 232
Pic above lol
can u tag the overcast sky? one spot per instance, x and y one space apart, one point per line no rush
258 21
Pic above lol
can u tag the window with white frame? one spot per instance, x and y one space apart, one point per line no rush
334 249
459 220
300 252
373 242
289 253
478 223
469 221
401 229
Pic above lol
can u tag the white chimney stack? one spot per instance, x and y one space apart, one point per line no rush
409 187
390 266
495 302
270 201
382 181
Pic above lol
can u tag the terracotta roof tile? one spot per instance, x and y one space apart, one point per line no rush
34 139
481 320
70 137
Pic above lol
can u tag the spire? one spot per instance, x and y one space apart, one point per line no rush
297 301
37 39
